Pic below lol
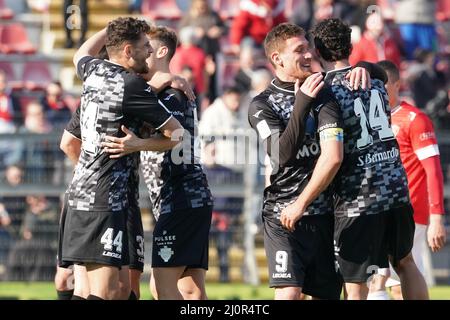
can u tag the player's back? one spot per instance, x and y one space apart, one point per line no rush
112 96
175 178
371 179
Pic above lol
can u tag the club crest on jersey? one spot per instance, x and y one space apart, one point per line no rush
165 253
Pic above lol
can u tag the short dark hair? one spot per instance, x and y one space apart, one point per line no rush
391 70
332 38
231 89
102 54
167 36
123 30
278 35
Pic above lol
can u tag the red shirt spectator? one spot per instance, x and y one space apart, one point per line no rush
255 19
375 44
188 54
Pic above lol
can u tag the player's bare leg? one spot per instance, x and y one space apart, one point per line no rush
377 288
165 281
124 283
64 283
396 292
103 281
288 293
135 282
81 281
192 284
412 281
356 291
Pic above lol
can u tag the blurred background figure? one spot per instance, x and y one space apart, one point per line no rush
33 257
376 43
254 20
226 211
222 121
209 27
429 87
416 21
56 108
190 54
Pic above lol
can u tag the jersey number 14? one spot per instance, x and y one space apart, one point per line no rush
376 119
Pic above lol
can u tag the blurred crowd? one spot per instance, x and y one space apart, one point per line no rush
221 54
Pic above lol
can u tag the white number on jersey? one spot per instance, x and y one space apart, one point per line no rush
88 123
281 257
107 240
377 120
140 250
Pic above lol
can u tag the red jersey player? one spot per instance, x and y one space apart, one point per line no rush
420 156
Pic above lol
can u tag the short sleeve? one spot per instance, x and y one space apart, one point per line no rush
263 119
141 102
423 138
83 66
73 127
329 119
176 102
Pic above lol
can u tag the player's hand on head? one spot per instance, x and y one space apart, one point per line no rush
181 84
290 215
312 85
119 147
359 77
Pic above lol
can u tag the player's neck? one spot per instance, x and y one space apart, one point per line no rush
284 77
120 61
334 65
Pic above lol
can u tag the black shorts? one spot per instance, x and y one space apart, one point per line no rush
135 239
303 258
94 237
364 243
62 221
181 238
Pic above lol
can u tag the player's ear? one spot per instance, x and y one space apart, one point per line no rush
162 52
128 50
275 56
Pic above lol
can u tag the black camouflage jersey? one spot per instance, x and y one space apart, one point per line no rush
111 97
175 178
73 127
269 114
371 178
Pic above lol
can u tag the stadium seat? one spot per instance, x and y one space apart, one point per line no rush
36 75
5 12
8 69
227 9
161 9
14 39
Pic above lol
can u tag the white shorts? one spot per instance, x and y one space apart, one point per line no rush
419 252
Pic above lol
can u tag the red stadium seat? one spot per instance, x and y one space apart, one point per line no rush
14 39
161 9
227 9
5 12
36 75
8 69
